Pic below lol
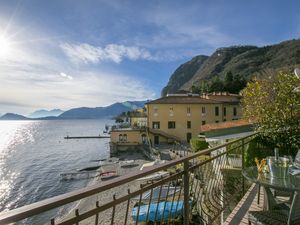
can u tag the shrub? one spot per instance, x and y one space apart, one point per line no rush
198 144
257 148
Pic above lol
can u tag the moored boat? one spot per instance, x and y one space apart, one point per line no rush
108 175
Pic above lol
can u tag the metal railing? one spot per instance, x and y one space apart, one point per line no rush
195 189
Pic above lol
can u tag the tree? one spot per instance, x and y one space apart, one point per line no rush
274 105
228 82
216 85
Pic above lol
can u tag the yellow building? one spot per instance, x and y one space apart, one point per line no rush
176 117
138 119
179 116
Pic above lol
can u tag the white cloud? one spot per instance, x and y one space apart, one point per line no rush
66 76
33 79
93 54
89 89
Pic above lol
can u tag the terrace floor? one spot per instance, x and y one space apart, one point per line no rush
248 203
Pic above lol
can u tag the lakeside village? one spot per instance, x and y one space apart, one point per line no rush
152 177
167 128
179 121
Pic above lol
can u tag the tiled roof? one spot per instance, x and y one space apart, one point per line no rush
183 100
225 125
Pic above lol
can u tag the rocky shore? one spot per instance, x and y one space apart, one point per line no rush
106 196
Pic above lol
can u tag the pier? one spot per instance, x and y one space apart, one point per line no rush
84 137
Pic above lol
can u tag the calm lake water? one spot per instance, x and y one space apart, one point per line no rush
34 153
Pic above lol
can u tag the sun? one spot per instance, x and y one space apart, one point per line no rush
5 47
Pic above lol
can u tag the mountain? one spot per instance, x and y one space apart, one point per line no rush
45 113
12 116
184 73
245 61
101 112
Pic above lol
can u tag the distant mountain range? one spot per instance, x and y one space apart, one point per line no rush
247 61
45 113
84 112
12 116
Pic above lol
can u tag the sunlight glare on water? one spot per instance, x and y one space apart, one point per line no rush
33 154
12 133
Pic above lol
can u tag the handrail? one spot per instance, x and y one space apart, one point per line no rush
60 200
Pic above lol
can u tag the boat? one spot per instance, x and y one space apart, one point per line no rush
156 162
158 211
158 193
128 164
108 175
91 168
155 176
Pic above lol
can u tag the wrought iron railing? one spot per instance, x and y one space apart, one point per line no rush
198 188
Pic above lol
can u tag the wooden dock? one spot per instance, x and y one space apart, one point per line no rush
85 137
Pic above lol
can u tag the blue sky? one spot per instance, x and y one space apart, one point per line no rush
65 54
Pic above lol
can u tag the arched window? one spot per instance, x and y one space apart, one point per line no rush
124 137
144 138
120 137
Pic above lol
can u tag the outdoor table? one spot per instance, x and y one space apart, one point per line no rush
290 183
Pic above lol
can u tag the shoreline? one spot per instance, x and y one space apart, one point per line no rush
89 203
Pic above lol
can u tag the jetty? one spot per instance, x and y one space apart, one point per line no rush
83 137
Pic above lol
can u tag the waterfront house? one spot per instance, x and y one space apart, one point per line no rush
175 117
180 116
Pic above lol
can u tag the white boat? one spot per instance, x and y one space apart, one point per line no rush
128 164
156 162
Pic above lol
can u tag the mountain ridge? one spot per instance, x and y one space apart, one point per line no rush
45 113
246 61
85 112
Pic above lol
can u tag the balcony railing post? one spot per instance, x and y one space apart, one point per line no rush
186 194
243 161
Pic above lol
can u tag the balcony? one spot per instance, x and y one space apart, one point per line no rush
200 188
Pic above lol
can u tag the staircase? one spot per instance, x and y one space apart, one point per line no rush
163 134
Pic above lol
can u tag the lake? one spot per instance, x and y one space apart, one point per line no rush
33 154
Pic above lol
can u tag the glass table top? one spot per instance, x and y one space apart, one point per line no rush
289 182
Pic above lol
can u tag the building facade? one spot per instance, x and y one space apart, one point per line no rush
181 116
178 118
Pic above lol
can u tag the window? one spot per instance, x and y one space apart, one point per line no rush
203 111
156 125
217 121
125 137
234 111
188 137
171 124
171 111
155 111
203 122
188 111
188 124
224 111
217 110
224 120
144 138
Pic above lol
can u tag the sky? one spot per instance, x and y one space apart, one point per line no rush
65 53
